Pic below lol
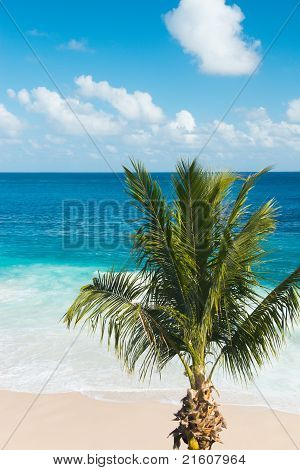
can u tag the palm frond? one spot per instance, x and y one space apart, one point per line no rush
115 303
198 194
261 334
153 241
239 208
240 248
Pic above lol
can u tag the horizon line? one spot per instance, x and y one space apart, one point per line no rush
121 172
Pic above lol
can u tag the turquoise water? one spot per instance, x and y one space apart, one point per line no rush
56 230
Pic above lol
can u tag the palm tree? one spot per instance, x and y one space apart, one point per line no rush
198 293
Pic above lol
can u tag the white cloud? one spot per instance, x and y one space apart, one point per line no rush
138 138
36 33
10 125
95 155
11 93
23 96
293 111
230 134
211 31
53 139
184 121
35 144
133 106
254 134
63 112
76 45
68 152
182 129
111 148
10 141
269 134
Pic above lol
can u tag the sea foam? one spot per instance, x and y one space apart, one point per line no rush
33 342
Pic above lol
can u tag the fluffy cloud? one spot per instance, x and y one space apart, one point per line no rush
11 93
63 112
269 134
138 138
10 125
230 134
256 131
211 31
53 139
111 148
76 45
184 121
293 111
36 33
133 106
133 131
182 129
24 96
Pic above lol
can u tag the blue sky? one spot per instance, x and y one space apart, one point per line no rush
149 80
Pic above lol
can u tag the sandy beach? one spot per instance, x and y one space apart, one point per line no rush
73 421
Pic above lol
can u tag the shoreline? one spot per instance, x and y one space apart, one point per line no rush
74 421
111 397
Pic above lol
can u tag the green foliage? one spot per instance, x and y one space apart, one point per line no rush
197 294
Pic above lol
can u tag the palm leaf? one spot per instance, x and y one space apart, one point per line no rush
115 303
261 334
153 241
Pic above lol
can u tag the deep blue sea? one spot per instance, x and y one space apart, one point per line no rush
56 230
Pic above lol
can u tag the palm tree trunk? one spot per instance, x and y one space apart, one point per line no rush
200 421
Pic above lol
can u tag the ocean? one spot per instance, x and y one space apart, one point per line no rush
56 231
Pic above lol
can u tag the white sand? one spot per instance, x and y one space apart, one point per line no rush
72 421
